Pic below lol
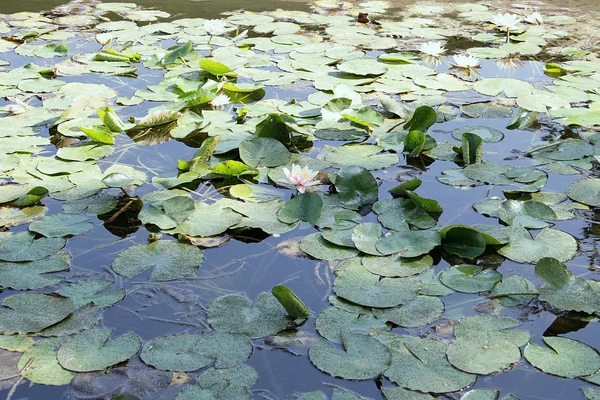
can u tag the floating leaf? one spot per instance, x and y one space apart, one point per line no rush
32 312
363 357
316 246
354 283
463 241
470 278
547 243
226 383
33 274
169 260
264 152
190 352
586 191
486 133
305 206
397 266
60 225
565 357
422 310
234 313
420 364
44 368
514 290
23 246
564 290
332 321
365 155
92 291
409 243
90 351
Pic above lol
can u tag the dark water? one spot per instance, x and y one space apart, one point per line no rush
257 265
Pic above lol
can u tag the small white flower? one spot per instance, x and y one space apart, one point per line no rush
215 26
534 18
506 21
103 38
343 90
301 177
220 101
465 61
433 49
19 107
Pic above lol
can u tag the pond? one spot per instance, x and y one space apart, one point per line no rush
299 200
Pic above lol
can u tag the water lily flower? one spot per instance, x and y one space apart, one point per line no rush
433 49
19 107
301 177
215 26
506 21
220 101
534 18
343 90
465 61
103 38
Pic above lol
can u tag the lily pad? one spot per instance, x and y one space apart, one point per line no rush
422 310
234 313
565 357
32 312
61 225
90 351
23 246
332 321
169 260
190 352
524 248
363 357
470 278
586 191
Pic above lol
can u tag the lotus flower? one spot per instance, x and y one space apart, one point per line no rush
215 26
103 38
19 107
433 49
465 61
534 18
506 21
220 101
301 177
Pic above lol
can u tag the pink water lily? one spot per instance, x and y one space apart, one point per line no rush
301 177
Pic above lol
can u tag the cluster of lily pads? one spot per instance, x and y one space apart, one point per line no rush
288 120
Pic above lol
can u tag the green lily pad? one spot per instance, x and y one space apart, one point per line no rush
354 283
92 291
222 383
234 313
208 220
23 246
363 357
316 246
169 260
90 351
264 152
421 364
45 369
60 225
363 67
586 191
564 290
399 393
396 266
305 206
356 186
332 321
470 278
565 357
83 318
409 243
422 310
484 345
364 155
33 274
32 312
396 213
190 352
486 133
514 291
463 241
524 248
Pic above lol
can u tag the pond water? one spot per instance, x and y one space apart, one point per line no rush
146 223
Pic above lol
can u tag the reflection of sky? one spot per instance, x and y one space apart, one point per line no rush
255 267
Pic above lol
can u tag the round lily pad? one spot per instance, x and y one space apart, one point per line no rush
547 243
470 278
190 352
32 312
422 310
486 133
564 357
170 260
234 313
331 321
23 246
586 191
396 266
61 225
363 357
90 351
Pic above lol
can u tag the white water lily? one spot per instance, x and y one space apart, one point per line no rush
343 90
220 101
465 61
215 26
506 21
433 49
103 38
534 18
19 107
301 177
